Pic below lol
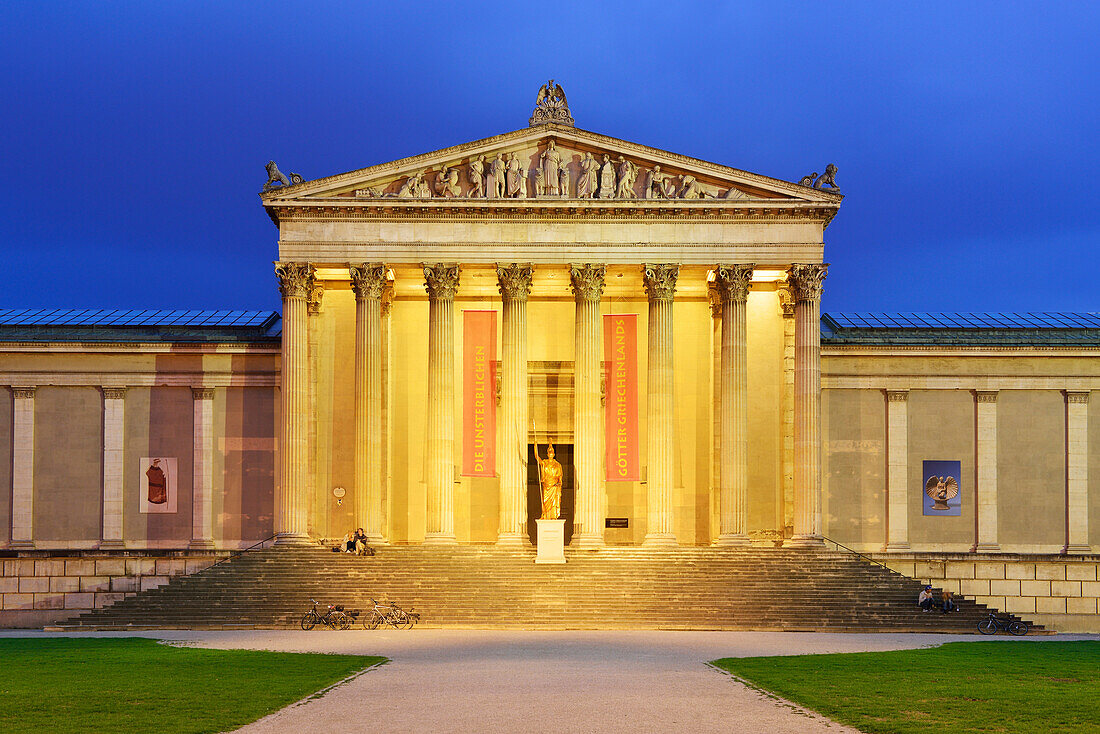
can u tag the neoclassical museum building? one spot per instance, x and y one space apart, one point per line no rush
653 316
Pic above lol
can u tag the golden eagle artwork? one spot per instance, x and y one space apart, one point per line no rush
941 489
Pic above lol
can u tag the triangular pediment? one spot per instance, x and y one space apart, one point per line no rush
548 162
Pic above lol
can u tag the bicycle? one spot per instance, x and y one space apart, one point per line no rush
333 618
992 624
392 615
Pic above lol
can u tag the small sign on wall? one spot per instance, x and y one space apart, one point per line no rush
942 488
158 485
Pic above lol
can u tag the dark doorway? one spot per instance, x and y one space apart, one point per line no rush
564 455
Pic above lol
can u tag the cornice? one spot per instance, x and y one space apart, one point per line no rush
534 210
916 350
146 347
488 245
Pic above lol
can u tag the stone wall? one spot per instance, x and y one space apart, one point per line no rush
1061 593
41 589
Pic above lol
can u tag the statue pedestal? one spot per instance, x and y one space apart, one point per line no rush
551 546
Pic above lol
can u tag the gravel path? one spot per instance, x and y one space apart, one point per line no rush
506 681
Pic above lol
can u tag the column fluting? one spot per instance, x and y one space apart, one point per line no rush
588 447
441 282
295 281
660 285
514 282
368 282
733 283
806 282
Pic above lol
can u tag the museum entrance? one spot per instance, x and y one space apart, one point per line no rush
563 453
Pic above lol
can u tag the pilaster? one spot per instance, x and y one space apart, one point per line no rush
22 475
590 505
441 282
733 283
897 470
785 511
114 432
660 286
514 282
986 460
1077 472
202 532
715 408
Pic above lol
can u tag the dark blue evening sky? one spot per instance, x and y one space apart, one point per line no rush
966 134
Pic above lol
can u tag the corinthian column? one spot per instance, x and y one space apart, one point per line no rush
660 285
295 281
367 281
514 282
805 282
588 448
732 282
441 282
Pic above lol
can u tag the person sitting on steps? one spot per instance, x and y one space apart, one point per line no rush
949 604
361 547
926 600
347 545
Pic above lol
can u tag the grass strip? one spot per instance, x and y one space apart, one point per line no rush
1010 687
135 684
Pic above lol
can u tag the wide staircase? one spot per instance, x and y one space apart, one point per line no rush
488 587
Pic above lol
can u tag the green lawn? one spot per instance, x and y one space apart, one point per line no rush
1016 687
132 684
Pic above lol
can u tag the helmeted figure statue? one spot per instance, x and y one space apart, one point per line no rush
476 174
497 182
550 477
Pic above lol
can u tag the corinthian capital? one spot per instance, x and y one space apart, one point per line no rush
441 281
368 280
295 279
587 281
514 281
733 281
660 281
806 281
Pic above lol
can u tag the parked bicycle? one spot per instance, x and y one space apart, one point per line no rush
334 617
993 624
389 614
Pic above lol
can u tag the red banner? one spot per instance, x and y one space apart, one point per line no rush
479 405
620 339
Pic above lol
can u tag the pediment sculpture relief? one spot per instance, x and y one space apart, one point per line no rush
549 172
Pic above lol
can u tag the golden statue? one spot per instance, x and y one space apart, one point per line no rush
550 475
